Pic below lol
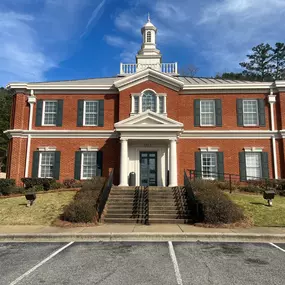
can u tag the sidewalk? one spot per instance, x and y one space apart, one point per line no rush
130 232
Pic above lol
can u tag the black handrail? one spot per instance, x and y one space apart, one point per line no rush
146 205
105 194
230 177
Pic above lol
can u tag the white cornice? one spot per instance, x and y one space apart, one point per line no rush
61 134
280 83
230 134
149 74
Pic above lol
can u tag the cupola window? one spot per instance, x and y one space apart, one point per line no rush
148 37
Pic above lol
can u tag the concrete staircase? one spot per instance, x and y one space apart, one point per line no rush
165 205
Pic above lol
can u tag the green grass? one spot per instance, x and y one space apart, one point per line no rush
256 208
47 207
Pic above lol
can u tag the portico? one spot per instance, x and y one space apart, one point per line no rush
149 148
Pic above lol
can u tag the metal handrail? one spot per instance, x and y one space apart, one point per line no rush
103 198
146 205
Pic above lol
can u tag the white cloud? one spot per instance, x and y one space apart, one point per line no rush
218 33
32 43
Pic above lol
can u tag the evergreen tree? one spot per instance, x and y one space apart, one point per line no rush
279 61
260 62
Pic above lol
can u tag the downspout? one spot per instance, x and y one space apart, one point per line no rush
31 101
272 101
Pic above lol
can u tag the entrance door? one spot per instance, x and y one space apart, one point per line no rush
148 168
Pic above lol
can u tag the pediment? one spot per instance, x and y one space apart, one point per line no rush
148 119
149 74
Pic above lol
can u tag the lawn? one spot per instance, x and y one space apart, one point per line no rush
256 207
47 207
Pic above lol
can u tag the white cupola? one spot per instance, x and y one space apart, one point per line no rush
148 55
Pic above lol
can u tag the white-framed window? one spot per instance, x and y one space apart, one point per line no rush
149 101
46 164
49 113
148 37
161 104
91 113
250 112
207 113
209 165
253 165
136 104
88 164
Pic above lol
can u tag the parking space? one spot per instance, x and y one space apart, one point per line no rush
141 263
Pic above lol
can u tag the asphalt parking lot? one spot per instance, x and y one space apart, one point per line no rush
142 263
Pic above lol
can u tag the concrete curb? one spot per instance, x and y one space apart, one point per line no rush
140 237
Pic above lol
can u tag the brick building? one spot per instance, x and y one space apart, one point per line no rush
147 120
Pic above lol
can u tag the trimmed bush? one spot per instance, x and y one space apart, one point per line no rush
56 185
251 189
12 190
6 186
217 208
72 183
45 182
83 208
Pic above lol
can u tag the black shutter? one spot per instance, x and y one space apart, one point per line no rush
242 166
220 159
218 109
261 112
36 161
198 165
264 165
239 113
59 113
101 113
197 113
80 111
56 169
99 163
77 165
39 113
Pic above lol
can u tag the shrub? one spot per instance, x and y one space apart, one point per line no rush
251 189
68 183
38 188
56 185
225 185
80 211
4 183
217 208
83 208
12 190
45 182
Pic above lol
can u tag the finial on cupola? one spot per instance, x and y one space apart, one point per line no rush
148 17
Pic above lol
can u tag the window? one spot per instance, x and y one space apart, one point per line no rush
149 101
250 113
89 164
136 104
90 113
253 165
50 113
161 104
209 165
148 37
46 165
207 112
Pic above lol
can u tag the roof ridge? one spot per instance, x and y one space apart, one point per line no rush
68 80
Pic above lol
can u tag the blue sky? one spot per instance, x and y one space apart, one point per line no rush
72 39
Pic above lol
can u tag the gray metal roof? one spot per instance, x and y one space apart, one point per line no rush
201 80
90 81
111 80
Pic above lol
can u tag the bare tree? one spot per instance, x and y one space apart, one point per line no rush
189 70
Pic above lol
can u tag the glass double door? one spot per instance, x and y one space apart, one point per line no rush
148 168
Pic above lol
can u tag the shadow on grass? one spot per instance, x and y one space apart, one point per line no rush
258 203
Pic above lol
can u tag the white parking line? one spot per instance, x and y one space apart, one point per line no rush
277 246
175 263
40 264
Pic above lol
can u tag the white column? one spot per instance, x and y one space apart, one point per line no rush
173 163
272 100
31 100
157 104
164 102
133 104
140 104
124 163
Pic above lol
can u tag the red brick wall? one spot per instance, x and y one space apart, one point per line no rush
69 121
20 112
186 149
281 101
68 147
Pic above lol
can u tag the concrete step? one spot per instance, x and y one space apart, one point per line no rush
119 221
168 221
